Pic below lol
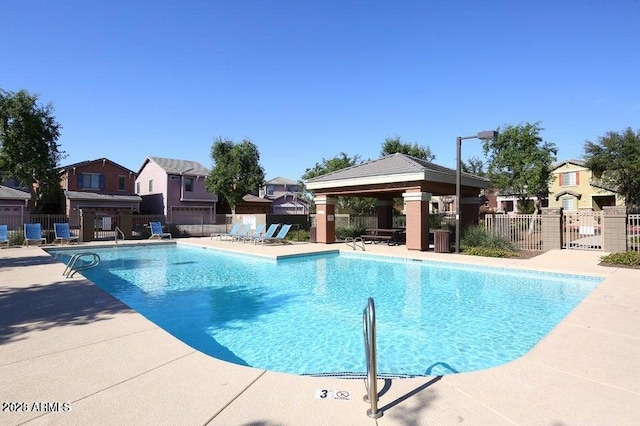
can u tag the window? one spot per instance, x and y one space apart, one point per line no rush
121 183
568 179
568 204
269 189
150 185
188 184
137 187
90 181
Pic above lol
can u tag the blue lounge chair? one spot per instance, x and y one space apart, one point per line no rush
4 235
242 233
279 238
234 230
33 232
63 233
269 234
157 232
256 233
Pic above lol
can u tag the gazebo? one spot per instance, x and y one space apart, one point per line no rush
395 176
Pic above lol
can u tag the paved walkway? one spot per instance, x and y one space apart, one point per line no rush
70 354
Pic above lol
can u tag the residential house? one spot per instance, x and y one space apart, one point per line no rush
285 196
508 203
252 204
101 186
574 187
13 206
176 189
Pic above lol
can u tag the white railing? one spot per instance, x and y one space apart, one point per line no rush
633 232
523 230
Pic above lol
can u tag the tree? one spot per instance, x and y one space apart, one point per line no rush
615 159
339 162
351 205
475 166
520 161
396 144
237 170
29 151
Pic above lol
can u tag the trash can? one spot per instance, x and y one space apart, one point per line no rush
312 234
441 241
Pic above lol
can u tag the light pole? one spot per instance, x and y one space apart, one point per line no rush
485 135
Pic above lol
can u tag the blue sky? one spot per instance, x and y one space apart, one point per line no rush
307 80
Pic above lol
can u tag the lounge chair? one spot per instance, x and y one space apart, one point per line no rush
234 230
33 232
63 233
242 230
271 230
157 232
4 235
242 233
256 233
280 238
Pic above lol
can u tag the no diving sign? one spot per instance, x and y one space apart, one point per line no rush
340 395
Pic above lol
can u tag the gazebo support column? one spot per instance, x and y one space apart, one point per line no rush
385 213
325 219
469 211
417 209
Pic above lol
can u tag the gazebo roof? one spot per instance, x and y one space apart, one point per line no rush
394 168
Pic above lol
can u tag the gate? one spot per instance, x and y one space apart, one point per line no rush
582 230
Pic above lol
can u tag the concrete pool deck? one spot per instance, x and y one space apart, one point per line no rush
70 354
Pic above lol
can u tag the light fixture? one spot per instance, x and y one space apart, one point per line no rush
484 135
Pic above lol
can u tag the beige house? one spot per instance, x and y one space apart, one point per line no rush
573 187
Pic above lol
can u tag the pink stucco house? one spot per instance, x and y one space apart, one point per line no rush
285 196
176 189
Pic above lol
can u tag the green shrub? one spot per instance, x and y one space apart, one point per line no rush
437 221
628 258
349 231
175 230
298 235
489 252
478 236
16 237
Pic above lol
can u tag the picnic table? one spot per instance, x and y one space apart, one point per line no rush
392 236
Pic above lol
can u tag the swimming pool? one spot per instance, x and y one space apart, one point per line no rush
302 315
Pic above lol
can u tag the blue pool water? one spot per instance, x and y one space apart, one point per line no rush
303 315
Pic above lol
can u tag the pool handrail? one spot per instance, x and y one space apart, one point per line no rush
369 332
70 270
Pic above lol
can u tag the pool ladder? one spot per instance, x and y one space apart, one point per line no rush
119 231
353 242
369 332
71 269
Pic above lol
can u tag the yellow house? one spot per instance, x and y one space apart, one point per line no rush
573 187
